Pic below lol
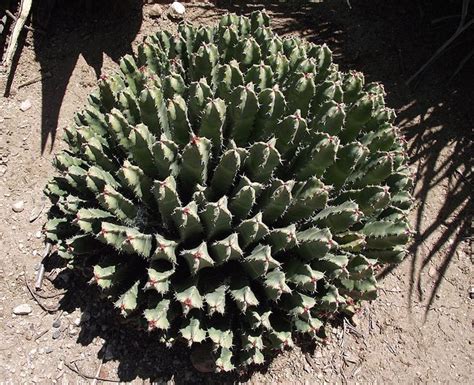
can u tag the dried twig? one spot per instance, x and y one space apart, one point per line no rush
12 16
343 332
48 296
37 79
40 275
76 370
353 330
94 382
311 362
34 216
25 9
38 336
35 297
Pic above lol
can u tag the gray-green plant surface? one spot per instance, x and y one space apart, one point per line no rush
233 187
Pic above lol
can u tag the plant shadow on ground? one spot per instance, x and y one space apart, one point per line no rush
388 42
68 30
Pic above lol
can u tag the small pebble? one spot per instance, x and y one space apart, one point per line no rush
23 309
57 323
48 349
56 334
18 207
155 10
38 234
177 9
25 105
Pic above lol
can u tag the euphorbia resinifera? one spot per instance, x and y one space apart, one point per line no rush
232 187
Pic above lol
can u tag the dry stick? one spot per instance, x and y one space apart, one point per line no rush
40 275
34 216
25 9
94 382
37 79
48 296
35 297
41 334
12 16
87 376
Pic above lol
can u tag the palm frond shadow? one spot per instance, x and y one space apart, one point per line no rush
440 155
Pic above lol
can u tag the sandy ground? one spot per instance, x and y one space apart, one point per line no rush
420 327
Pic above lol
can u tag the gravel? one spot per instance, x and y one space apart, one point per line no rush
18 206
23 309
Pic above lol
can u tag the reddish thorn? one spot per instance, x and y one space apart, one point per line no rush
195 139
186 211
187 302
197 255
151 325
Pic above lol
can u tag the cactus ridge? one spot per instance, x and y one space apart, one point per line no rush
233 186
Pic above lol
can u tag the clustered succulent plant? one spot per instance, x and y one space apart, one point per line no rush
233 187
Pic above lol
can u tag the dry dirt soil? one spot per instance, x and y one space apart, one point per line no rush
419 330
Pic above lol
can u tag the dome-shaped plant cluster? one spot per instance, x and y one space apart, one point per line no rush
232 186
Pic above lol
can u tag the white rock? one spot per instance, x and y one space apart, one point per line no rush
39 234
18 207
177 9
77 321
23 309
25 105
